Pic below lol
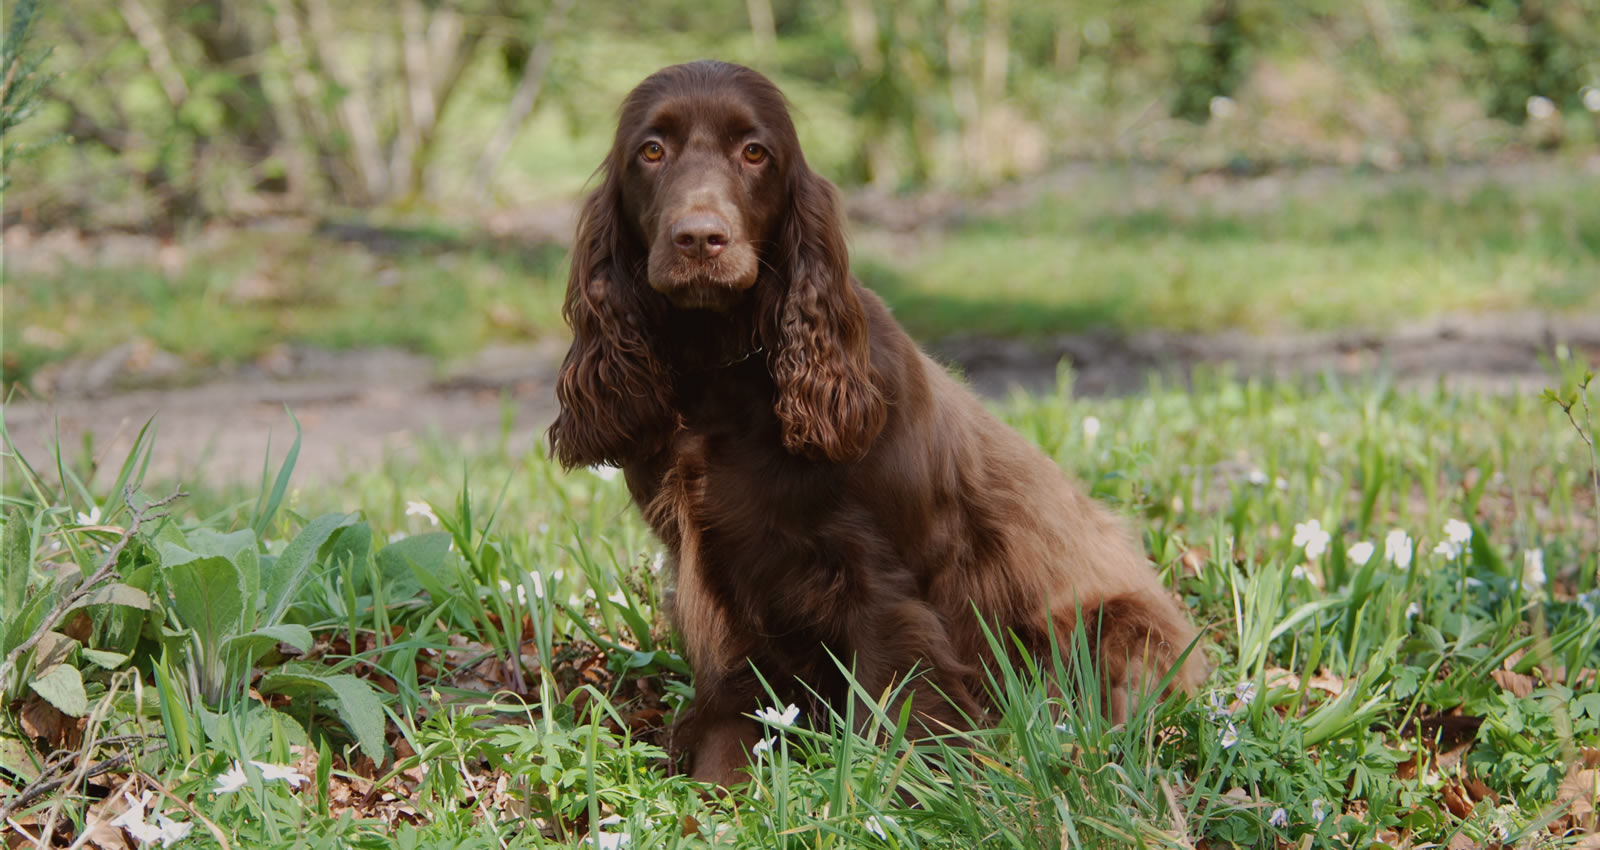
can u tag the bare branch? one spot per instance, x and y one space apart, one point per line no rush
148 33
419 104
355 112
522 101
763 25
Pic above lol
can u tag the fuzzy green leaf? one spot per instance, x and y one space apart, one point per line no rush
208 597
283 578
354 700
62 687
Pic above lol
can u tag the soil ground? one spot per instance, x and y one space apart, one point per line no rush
355 407
358 406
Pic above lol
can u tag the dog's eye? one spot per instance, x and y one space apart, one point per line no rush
754 154
652 152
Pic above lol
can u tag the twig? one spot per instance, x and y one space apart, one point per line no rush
107 568
41 786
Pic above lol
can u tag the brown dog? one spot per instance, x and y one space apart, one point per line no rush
822 485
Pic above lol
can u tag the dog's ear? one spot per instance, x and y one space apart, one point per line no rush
828 396
614 392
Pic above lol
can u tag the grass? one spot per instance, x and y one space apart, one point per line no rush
1370 252
463 650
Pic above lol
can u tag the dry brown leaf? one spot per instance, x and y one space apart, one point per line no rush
1588 842
1462 842
1277 677
1480 791
1580 789
1447 760
1456 801
1325 681
40 719
1590 755
1194 559
1513 659
1520 684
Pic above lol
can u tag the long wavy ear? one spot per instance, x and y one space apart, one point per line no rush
615 395
828 396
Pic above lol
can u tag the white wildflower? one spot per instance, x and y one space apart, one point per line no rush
1413 610
234 778
538 584
1256 476
659 561
133 819
1448 549
1460 533
1360 553
90 518
762 746
231 781
1540 107
1591 98
618 599
1222 106
271 772
604 473
1230 735
397 536
1091 428
1279 818
172 831
422 509
1533 576
610 840
1397 548
1281 483
1318 809
1311 535
875 825
1245 692
522 592
784 718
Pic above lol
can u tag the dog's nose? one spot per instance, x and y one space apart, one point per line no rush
700 236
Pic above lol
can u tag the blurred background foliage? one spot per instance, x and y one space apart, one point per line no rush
186 109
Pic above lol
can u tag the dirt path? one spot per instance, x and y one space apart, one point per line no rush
356 407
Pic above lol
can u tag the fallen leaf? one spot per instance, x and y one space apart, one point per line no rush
1456 802
1277 677
1580 789
1520 684
40 719
1325 681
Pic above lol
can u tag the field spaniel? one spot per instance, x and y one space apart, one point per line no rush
824 488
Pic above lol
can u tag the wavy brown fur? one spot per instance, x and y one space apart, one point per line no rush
822 485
